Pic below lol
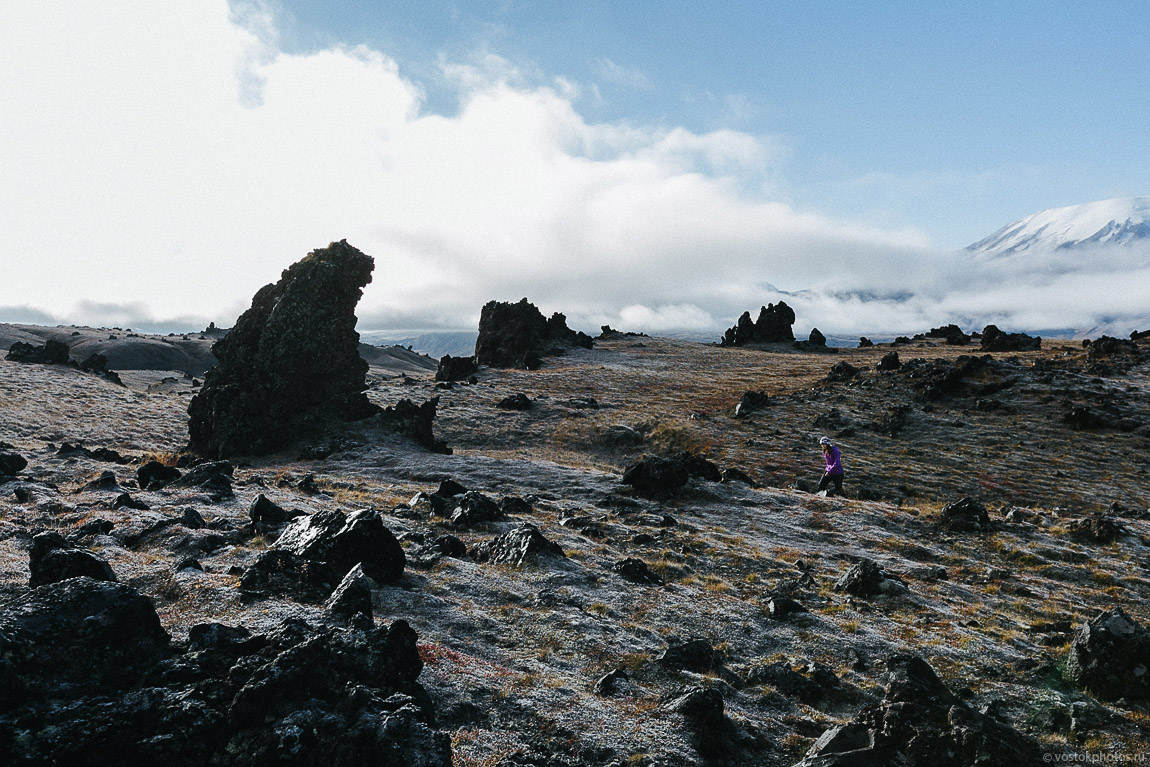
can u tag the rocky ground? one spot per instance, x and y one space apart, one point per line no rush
725 639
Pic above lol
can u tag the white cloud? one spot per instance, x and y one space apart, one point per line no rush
169 159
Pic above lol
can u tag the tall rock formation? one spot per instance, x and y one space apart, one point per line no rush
291 363
517 335
772 326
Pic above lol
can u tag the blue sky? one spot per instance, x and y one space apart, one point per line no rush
953 118
655 166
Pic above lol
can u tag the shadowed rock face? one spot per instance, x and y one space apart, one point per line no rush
516 335
291 362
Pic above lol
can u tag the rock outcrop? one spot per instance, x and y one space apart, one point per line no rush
772 326
1110 657
659 477
994 340
53 560
921 722
291 363
298 695
517 335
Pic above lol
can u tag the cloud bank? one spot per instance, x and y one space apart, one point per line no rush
161 162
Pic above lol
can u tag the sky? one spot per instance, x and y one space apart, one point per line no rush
658 166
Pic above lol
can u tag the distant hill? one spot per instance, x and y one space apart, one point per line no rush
189 353
457 343
1119 221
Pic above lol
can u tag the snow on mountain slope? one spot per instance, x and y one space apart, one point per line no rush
1118 221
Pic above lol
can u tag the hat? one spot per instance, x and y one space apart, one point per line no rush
825 441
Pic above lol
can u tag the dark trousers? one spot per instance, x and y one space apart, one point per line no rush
827 479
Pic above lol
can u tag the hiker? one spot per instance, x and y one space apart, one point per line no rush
834 470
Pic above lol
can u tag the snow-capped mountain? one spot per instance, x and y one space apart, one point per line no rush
1118 221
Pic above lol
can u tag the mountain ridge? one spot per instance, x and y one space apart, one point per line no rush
1116 221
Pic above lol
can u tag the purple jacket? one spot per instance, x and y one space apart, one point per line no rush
834 461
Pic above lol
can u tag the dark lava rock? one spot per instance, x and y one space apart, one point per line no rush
842 371
77 636
994 340
751 402
636 570
51 353
921 722
1110 657
772 326
154 475
212 477
291 364
865 343
449 487
414 421
299 696
126 501
192 519
964 516
455 368
782 608
450 546
337 542
693 655
816 338
53 560
608 684
474 508
515 402
1106 348
712 733
516 335
11 464
1085 418
951 333
1099 528
515 547
866 579
787 681
658 477
107 455
276 573
351 597
265 513
106 481
939 379
889 361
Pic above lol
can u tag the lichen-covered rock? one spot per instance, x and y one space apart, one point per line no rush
337 542
52 560
77 636
866 579
921 722
516 335
414 421
213 478
964 515
1110 657
455 368
517 546
351 597
291 363
154 475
